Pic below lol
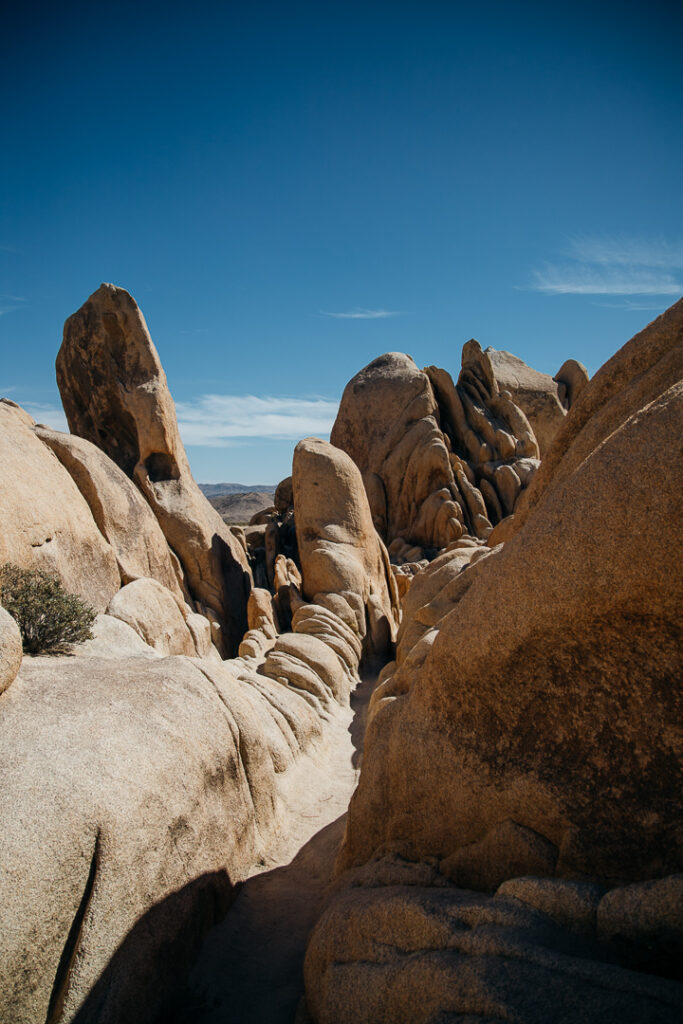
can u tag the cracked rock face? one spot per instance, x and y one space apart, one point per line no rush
439 460
541 678
115 395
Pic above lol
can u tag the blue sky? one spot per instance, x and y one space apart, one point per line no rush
289 190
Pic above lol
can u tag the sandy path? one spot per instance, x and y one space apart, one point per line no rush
249 968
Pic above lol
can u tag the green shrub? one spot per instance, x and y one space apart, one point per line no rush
50 619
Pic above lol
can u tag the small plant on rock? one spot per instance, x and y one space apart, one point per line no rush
50 619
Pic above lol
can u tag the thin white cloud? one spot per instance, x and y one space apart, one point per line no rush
8 303
218 421
627 252
613 266
361 314
49 415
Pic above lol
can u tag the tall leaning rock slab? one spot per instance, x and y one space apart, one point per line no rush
115 394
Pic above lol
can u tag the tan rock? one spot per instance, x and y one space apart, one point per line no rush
507 849
574 376
134 794
339 550
122 515
645 922
154 613
115 394
10 649
45 523
555 674
284 496
537 394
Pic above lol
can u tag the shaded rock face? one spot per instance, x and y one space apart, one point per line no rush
398 945
544 681
340 553
115 395
438 460
45 522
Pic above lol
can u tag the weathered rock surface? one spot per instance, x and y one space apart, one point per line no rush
340 554
155 615
45 522
115 394
391 949
10 649
134 794
546 692
122 515
438 460
544 399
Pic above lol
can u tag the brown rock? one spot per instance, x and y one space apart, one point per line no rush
392 950
574 376
122 515
284 495
537 394
115 394
550 694
45 523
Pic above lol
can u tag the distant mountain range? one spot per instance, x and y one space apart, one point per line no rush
217 490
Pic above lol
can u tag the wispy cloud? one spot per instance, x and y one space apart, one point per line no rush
45 412
218 421
612 266
362 314
8 303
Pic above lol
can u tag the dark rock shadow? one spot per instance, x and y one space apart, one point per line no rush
140 981
250 969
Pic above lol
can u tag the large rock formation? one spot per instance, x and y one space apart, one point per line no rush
531 726
10 649
115 394
45 522
438 460
550 687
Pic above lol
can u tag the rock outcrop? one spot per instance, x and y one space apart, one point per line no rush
45 522
530 726
122 515
343 561
399 945
115 395
548 689
438 460
544 400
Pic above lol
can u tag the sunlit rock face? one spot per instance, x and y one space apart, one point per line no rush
439 460
526 742
115 394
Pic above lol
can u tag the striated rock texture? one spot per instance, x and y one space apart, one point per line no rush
438 460
399 946
133 795
343 561
45 522
115 395
544 400
534 727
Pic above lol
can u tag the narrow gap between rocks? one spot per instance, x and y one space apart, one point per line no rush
249 969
